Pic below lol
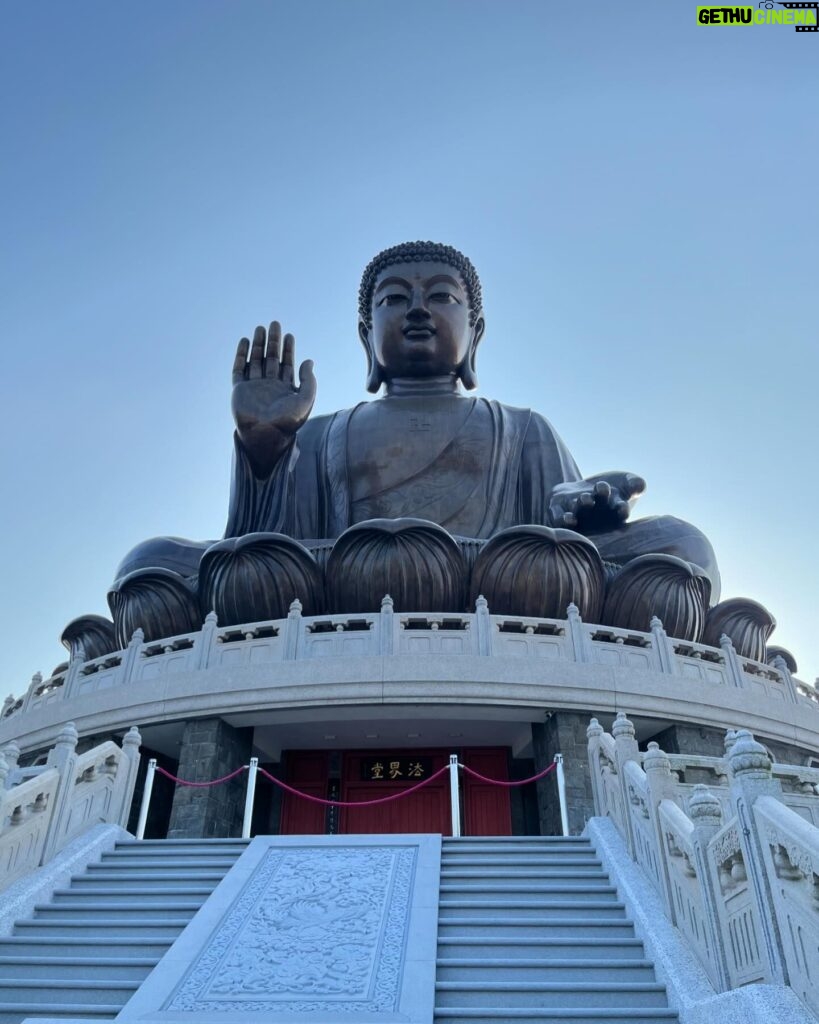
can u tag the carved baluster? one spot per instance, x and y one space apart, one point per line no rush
593 734
779 663
626 749
125 779
205 641
705 812
387 627
483 626
12 754
751 777
661 786
128 668
75 665
36 682
666 657
732 663
292 632
581 644
63 757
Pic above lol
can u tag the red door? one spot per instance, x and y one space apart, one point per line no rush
485 807
425 810
307 772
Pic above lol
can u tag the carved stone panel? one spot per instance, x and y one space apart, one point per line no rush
319 929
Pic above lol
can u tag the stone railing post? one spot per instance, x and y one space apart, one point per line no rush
661 787
128 665
11 752
205 641
75 664
386 640
5 771
581 644
36 680
126 777
593 734
483 627
292 632
781 667
705 812
666 657
625 749
735 673
63 757
750 778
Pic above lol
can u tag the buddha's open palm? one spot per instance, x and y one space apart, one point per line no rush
267 406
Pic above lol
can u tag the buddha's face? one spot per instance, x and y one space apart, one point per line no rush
420 322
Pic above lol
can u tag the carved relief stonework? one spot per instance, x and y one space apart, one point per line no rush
314 930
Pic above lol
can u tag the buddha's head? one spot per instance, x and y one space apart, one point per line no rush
420 315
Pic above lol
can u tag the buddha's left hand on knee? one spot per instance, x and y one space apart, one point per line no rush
597 503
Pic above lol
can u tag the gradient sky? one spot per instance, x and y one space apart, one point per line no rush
637 192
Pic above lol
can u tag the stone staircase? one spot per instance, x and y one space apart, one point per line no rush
531 930
86 953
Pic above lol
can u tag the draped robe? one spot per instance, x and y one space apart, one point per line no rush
487 467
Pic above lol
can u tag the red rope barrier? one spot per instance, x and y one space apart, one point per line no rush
352 803
356 803
517 782
199 785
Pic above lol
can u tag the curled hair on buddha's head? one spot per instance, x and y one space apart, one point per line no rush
418 252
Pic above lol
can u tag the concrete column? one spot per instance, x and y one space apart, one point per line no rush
210 749
564 732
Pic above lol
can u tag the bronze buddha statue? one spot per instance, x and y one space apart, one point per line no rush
426 493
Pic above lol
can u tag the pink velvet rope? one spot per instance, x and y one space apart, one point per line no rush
200 785
517 782
357 803
353 803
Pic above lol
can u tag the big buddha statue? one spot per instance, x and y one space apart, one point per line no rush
425 493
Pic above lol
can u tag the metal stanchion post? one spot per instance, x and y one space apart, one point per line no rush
561 793
249 796
454 797
146 798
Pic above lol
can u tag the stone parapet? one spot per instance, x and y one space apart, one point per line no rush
735 865
394 657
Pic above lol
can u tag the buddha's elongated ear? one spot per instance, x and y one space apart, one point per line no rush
467 371
374 376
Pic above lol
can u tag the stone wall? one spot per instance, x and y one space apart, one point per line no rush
210 750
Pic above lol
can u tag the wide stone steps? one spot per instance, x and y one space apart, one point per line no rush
545 950
536 927
532 929
105 913
573 885
535 909
168 928
589 869
125 968
93 947
555 994
125 891
562 1015
180 867
168 881
533 969
84 954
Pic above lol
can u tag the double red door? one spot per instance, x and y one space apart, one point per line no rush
485 806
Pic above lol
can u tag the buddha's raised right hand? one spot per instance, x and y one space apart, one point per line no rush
267 406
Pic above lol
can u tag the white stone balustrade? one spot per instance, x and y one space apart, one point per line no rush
43 808
736 864
390 632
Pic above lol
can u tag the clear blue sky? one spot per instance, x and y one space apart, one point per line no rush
637 192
